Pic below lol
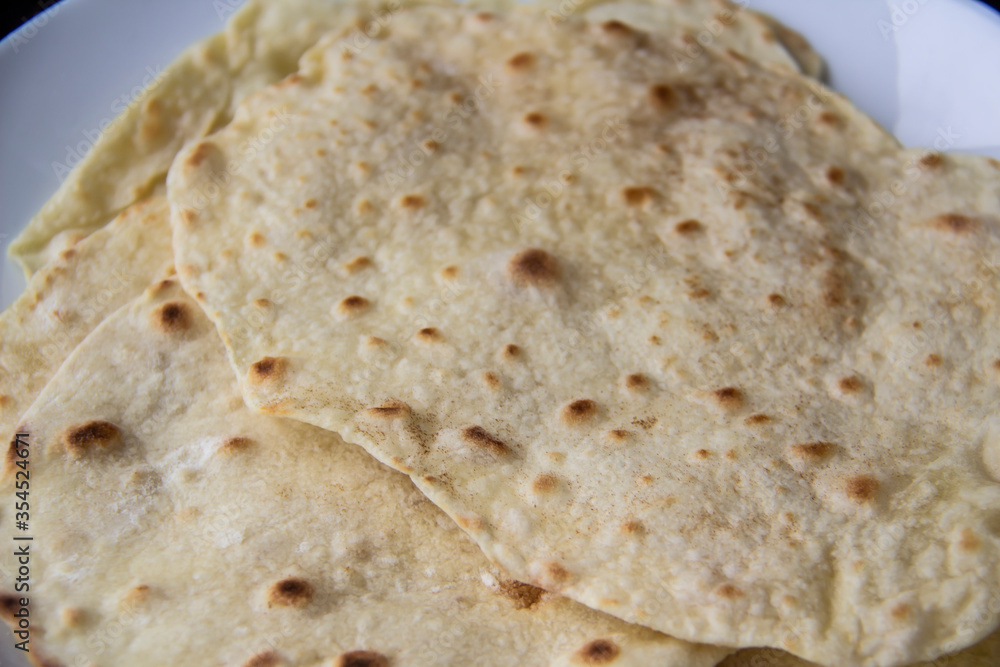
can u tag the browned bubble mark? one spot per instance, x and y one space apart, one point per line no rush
830 119
172 317
728 398
933 360
729 592
483 440
616 28
968 541
412 202
633 527
536 120
932 160
92 436
597 652
637 382
10 604
813 452
290 592
361 659
188 216
545 483
268 369
235 445
960 225
510 351
353 306
430 335
850 385
521 61
578 412
266 659
491 380
618 435
523 596
200 154
638 196
702 454
835 175
663 97
757 420
357 264
256 239
449 272
861 488
390 410
688 227
533 267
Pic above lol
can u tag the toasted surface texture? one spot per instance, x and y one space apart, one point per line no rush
984 654
173 525
66 300
698 346
260 45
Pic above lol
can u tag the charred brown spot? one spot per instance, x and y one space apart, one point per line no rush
835 175
813 452
201 153
431 145
616 28
266 659
536 120
430 335
996 365
688 227
618 434
545 483
969 541
290 592
901 611
235 445
633 527
478 436
375 342
449 272
310 203
637 382
578 412
491 380
172 317
352 306
597 652
699 294
521 61
470 522
391 410
256 239
932 160
850 385
776 300
524 596
262 303
357 264
73 617
829 118
555 574
510 351
729 592
268 369
412 202
757 420
10 604
92 436
729 398
663 97
956 224
702 454
933 360
636 196
533 268
862 488
361 659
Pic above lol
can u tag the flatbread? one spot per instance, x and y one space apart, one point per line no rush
984 654
700 347
86 282
174 526
260 45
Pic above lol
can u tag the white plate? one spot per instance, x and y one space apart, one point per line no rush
917 66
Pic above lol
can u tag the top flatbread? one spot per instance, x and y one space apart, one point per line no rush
261 44
695 344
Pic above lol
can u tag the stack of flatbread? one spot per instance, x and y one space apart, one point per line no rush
558 334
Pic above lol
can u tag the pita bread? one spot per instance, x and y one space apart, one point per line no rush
175 526
261 44
701 347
